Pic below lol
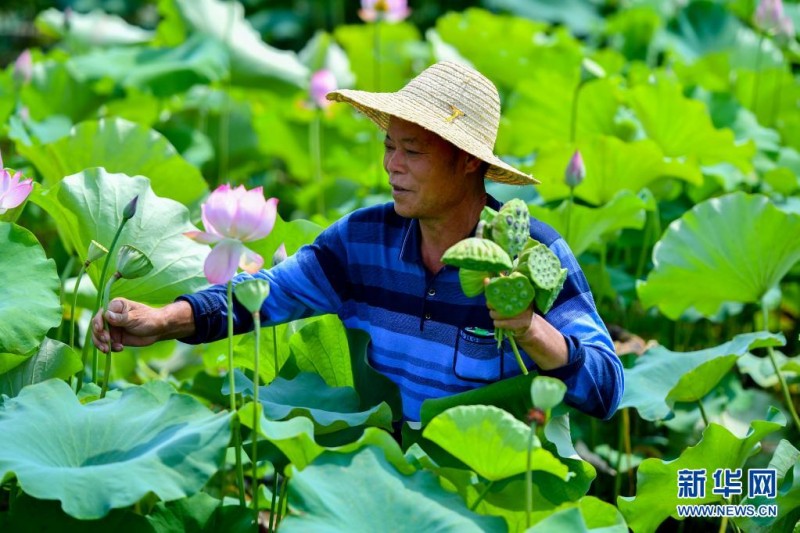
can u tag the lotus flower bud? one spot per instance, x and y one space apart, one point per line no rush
322 82
96 251
280 255
130 209
252 293
591 70
547 392
389 10
23 67
575 172
132 263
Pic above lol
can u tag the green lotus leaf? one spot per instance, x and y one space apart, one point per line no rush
161 71
591 225
490 441
786 462
200 513
331 408
539 114
586 515
53 359
734 248
30 283
354 492
611 166
123 147
662 377
32 515
253 62
762 371
89 206
657 481
397 61
580 16
295 439
773 101
54 91
321 347
91 29
112 452
693 138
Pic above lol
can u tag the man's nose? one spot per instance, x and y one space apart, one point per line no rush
394 161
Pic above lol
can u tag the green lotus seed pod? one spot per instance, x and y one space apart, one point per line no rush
511 227
252 293
96 251
541 266
132 263
546 298
510 295
477 254
485 223
472 281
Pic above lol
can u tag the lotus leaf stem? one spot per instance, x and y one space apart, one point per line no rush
529 478
787 396
106 297
517 356
61 279
481 496
275 349
74 305
237 436
272 511
315 148
254 458
703 411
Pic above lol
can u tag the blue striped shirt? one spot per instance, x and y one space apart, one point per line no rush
427 336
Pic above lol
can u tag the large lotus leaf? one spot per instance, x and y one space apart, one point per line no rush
539 113
119 146
591 225
295 439
112 452
292 234
53 91
770 93
253 62
657 481
693 138
587 515
733 248
372 386
786 462
91 29
31 515
581 16
29 301
356 492
321 347
331 408
611 166
662 377
502 46
53 359
89 206
161 71
490 441
762 371
216 353
200 513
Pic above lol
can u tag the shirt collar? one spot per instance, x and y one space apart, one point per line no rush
410 248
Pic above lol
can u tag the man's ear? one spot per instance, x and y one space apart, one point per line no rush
471 163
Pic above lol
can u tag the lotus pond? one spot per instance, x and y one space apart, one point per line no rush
120 118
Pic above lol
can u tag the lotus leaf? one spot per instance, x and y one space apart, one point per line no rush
734 248
91 29
53 359
321 347
112 452
29 305
656 481
354 492
584 516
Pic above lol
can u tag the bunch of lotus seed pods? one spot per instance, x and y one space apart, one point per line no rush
521 270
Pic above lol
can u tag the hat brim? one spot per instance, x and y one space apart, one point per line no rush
379 107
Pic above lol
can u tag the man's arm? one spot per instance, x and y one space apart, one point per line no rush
135 324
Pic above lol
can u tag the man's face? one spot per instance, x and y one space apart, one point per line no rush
427 173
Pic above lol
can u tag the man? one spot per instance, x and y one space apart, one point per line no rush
380 268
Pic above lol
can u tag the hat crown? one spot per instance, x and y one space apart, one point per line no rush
460 96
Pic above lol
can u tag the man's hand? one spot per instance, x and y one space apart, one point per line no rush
130 323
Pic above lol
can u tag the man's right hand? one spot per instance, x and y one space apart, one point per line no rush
130 323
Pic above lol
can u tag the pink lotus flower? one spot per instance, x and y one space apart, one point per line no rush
770 18
12 191
388 10
23 67
232 217
322 82
576 171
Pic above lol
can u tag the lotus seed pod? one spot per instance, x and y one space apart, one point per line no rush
542 266
511 227
477 254
252 293
485 223
510 295
96 251
132 263
546 298
472 281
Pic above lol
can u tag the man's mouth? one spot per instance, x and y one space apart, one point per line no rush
397 188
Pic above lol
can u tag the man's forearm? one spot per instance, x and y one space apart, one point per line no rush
177 321
544 344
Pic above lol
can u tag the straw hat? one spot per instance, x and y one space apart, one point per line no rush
453 101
